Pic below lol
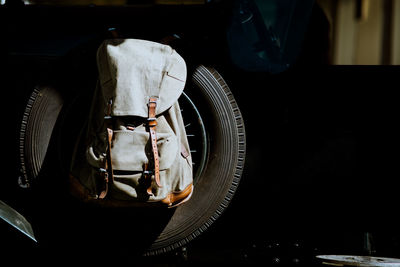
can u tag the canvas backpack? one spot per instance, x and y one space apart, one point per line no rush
134 149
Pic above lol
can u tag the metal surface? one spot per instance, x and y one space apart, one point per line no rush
196 134
365 261
16 220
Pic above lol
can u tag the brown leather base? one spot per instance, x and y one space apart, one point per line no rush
176 198
172 200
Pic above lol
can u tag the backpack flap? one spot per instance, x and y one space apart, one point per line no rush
131 71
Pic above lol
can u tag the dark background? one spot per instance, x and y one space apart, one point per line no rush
322 142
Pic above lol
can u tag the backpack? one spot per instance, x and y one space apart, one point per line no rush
134 148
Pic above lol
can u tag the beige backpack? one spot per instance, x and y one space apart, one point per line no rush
134 149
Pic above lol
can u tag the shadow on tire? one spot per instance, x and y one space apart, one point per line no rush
217 136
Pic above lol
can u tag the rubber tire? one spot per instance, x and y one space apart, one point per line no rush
217 184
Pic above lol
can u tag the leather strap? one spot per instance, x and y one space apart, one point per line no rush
174 199
152 123
107 171
147 179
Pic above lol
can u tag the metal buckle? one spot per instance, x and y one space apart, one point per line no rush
104 173
153 101
151 122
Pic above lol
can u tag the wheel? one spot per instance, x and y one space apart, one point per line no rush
216 135
220 169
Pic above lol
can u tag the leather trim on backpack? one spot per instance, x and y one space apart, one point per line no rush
176 198
152 123
172 200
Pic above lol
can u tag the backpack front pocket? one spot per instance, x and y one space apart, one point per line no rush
131 150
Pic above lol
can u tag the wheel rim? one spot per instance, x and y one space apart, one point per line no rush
196 133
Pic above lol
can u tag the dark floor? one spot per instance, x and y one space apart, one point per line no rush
321 180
